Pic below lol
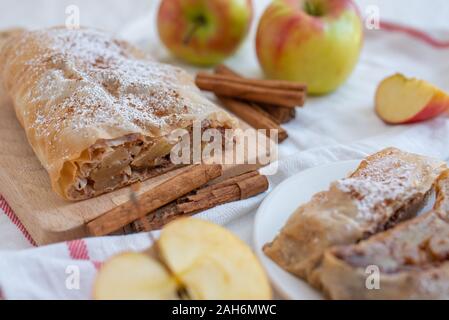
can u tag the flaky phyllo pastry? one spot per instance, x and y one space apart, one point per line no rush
96 110
388 187
412 259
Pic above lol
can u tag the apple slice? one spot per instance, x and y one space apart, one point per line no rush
134 276
401 100
206 260
212 263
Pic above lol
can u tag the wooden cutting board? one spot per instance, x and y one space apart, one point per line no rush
25 185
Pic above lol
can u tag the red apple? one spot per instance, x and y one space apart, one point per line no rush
316 42
401 100
204 32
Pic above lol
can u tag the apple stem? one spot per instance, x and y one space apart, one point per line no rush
198 23
312 9
190 34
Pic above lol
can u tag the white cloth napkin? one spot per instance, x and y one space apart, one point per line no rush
337 127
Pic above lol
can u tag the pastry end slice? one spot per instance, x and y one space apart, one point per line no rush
410 261
388 187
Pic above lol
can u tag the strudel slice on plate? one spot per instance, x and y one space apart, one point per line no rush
386 188
411 260
96 110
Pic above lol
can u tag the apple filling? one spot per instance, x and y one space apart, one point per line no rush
417 245
112 164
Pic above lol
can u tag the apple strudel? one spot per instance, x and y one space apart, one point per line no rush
388 187
411 260
97 111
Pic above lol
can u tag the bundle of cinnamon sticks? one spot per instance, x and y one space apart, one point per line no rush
186 194
234 189
263 104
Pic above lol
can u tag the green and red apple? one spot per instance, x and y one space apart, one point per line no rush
401 100
316 42
204 32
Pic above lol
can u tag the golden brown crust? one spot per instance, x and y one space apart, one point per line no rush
74 88
388 187
412 259
7 34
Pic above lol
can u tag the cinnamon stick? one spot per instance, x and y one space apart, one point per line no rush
277 113
280 93
254 115
228 182
250 112
234 189
260 83
223 69
163 194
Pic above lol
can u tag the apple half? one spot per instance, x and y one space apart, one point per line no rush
402 100
205 260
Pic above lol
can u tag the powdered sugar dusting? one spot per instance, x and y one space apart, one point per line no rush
385 181
96 80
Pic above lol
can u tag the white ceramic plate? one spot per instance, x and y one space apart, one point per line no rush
277 208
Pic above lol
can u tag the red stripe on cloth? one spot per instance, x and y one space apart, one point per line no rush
415 33
78 250
15 220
